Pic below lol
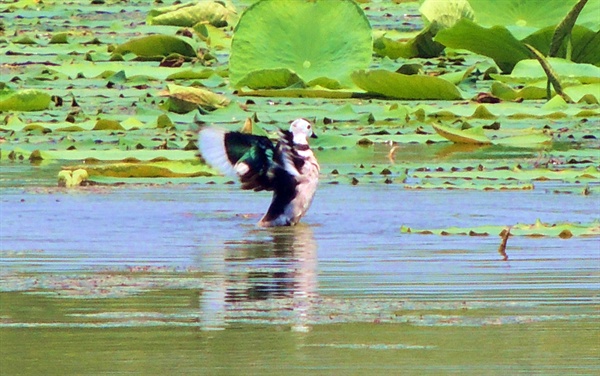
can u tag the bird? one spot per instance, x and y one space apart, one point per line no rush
288 168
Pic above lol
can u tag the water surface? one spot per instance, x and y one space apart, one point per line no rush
178 278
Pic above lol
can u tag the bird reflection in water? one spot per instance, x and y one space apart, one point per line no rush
271 278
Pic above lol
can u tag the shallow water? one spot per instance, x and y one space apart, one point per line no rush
179 279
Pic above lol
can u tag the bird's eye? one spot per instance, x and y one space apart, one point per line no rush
308 127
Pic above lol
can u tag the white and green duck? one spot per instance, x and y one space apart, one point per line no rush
288 168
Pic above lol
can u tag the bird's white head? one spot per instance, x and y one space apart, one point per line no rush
302 129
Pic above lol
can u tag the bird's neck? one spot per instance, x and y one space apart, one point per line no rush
301 147
300 139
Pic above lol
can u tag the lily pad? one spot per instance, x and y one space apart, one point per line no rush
531 14
312 39
539 229
402 86
213 12
584 44
156 45
24 100
271 79
496 42
530 70
469 136
185 99
167 169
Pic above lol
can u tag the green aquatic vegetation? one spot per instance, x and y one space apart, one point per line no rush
24 100
156 169
401 86
272 36
215 13
185 99
476 135
499 43
538 229
156 45
75 178
114 111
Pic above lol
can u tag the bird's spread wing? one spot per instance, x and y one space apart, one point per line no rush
287 155
259 164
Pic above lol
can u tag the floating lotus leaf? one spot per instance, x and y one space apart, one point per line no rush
584 44
108 125
539 229
530 70
588 93
297 93
156 45
496 42
401 86
481 186
312 39
469 136
186 99
530 14
163 169
213 12
271 79
507 93
24 100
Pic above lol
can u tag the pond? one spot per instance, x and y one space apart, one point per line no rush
177 278
153 267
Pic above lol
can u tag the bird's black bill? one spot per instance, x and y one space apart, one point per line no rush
313 135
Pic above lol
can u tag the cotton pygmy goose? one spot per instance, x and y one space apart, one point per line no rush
288 168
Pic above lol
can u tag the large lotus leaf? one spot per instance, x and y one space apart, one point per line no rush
24 100
156 45
532 13
444 14
585 44
213 12
313 39
402 86
496 42
530 70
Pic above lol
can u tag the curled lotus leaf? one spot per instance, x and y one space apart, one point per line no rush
189 98
215 13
